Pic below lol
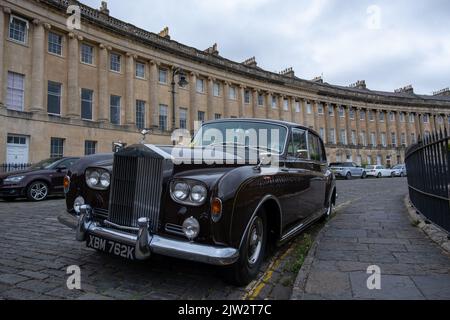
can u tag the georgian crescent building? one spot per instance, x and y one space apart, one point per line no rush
73 91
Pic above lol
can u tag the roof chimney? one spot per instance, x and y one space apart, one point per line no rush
164 33
360 84
408 89
251 62
289 72
213 50
104 8
443 92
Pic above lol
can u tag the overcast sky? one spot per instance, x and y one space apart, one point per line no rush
388 43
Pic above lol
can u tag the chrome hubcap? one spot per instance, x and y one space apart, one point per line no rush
39 191
255 237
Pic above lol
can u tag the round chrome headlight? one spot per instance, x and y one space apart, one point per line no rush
198 193
105 179
181 191
79 201
191 228
92 178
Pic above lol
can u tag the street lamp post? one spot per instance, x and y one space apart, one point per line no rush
181 82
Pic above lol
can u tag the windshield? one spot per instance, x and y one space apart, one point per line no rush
397 167
45 164
336 164
370 167
266 136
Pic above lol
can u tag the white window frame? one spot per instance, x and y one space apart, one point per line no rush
48 43
308 107
15 89
232 94
198 88
119 56
60 98
92 55
136 70
216 89
27 28
163 71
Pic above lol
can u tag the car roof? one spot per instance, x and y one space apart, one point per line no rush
261 120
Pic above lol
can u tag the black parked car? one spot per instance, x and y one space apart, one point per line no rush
37 182
177 201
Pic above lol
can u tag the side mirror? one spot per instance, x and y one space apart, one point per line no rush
302 154
61 168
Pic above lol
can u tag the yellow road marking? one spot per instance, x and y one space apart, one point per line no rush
258 285
262 282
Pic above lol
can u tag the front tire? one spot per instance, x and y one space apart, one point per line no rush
251 253
379 175
37 191
348 176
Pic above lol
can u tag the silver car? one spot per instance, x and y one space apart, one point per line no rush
399 170
347 170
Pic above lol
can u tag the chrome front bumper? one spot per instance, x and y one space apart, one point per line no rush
146 243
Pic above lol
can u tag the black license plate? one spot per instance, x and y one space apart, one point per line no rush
111 247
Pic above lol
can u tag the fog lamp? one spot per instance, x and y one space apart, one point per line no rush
79 201
191 228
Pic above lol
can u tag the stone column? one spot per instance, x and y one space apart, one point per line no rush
418 129
337 124
316 115
280 104
358 126
367 127
408 129
38 66
103 88
398 130
268 104
210 99
73 90
303 109
421 128
377 128
326 115
241 101
130 104
2 53
433 122
193 108
348 125
388 131
226 99
292 108
254 103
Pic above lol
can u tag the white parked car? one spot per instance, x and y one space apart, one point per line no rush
378 171
399 170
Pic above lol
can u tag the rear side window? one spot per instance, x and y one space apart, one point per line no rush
315 148
298 142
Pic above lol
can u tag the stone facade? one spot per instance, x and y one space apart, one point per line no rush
357 124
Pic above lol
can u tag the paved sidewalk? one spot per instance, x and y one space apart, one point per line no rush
374 230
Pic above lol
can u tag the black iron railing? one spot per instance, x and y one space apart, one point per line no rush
9 167
427 166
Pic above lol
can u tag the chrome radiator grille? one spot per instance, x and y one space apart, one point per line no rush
135 190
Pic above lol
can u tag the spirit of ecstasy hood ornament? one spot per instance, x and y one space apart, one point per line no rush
144 134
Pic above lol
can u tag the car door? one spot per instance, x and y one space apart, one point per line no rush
354 169
59 172
295 200
318 170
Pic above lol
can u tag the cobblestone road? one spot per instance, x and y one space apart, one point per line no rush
375 230
36 250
